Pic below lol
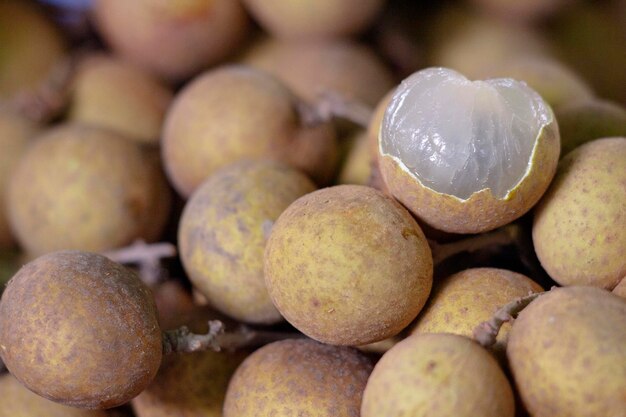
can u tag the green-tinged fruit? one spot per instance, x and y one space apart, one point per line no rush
586 120
223 231
85 188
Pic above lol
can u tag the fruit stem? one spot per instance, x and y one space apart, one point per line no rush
147 256
330 105
182 340
506 235
487 332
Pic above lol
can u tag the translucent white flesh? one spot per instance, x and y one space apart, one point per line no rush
459 136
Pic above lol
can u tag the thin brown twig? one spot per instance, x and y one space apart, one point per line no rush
487 332
147 256
183 340
331 105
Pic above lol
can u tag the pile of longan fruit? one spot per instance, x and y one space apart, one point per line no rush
255 208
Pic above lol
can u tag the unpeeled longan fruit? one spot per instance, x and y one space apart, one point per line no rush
348 265
299 378
437 374
236 112
81 330
85 188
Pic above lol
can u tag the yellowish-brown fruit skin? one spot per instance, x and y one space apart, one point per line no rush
578 227
114 94
15 132
233 113
173 39
482 211
437 375
299 378
314 18
311 67
585 120
557 84
462 301
31 46
348 265
84 188
80 330
189 385
357 168
18 401
566 352
223 231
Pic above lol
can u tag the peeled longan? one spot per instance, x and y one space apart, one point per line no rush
235 112
80 330
299 378
314 18
348 265
173 39
80 187
116 95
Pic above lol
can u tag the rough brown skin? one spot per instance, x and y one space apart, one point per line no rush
299 378
85 188
80 330
463 300
310 67
482 211
189 385
235 112
437 375
223 230
566 353
18 401
114 94
348 265
15 132
585 120
314 18
31 46
172 39
578 227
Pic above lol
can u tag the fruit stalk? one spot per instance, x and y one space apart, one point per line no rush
146 256
330 105
182 340
486 332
